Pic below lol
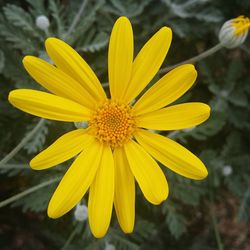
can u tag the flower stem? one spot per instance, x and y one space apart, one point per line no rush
215 223
71 237
194 59
22 143
15 166
77 18
28 191
173 134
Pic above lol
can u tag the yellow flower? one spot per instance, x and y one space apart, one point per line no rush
117 147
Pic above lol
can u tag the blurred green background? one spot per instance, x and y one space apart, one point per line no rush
198 215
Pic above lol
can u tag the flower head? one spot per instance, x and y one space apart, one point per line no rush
234 32
117 148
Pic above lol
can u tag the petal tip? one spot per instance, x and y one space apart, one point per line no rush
124 22
52 212
11 96
123 19
50 41
34 164
27 59
128 230
204 173
201 172
166 30
207 110
98 232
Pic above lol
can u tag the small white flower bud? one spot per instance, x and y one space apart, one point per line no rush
42 22
109 247
81 212
234 32
227 170
82 124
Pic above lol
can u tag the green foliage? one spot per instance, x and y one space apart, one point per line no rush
38 140
175 220
223 140
37 201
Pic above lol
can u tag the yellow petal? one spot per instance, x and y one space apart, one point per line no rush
147 173
124 191
76 181
63 149
69 61
148 62
168 89
57 82
48 106
120 57
179 116
101 195
172 155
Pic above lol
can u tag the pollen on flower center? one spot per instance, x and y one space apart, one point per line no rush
113 123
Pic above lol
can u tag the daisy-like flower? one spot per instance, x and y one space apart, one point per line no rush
234 32
117 147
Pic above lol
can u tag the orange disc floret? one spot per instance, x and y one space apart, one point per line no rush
113 123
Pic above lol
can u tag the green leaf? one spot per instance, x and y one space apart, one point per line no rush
37 142
176 222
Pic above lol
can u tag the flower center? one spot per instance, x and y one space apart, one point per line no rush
113 123
241 25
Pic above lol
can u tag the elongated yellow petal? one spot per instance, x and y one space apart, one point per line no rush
76 181
120 57
168 89
101 195
69 61
124 191
57 82
148 62
147 173
48 106
63 149
179 116
172 155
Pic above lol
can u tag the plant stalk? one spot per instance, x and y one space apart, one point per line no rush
215 223
194 59
22 143
76 19
28 191
71 237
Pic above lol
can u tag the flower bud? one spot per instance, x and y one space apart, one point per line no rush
81 212
109 247
234 32
42 22
227 170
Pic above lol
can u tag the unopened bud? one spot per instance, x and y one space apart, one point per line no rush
234 32
227 170
109 247
81 212
42 22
